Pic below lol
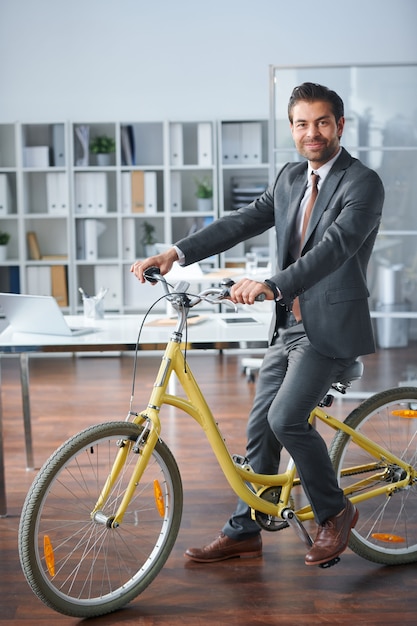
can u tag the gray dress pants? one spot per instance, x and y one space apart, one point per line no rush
293 378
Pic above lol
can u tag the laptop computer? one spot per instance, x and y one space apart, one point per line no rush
37 314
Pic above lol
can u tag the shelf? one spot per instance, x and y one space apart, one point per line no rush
89 217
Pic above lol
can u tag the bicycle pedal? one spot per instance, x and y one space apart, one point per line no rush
330 563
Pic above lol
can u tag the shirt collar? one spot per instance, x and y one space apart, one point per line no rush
324 169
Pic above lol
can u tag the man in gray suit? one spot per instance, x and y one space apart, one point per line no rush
322 320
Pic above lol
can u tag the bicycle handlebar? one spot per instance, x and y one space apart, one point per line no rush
153 275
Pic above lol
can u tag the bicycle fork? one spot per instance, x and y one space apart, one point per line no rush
143 447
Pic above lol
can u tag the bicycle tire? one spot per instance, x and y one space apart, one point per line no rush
386 531
97 569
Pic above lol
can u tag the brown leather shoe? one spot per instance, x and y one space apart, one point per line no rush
333 536
224 548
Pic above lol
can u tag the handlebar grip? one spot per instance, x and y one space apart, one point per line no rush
149 274
260 298
229 282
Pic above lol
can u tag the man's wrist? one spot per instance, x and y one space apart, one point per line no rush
272 286
180 255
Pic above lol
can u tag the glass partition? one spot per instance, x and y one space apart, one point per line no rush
381 130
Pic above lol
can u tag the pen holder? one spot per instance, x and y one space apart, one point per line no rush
94 305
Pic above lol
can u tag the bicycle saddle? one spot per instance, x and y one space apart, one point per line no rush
353 372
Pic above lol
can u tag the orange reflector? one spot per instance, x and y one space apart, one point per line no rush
49 555
408 413
159 500
387 538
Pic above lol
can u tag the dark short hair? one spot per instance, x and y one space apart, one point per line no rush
312 92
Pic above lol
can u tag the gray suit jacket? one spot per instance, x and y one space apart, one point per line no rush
330 275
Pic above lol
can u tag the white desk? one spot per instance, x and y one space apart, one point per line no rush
120 333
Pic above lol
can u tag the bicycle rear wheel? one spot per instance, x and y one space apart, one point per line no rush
386 531
82 567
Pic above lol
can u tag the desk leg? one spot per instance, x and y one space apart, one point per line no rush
24 382
3 504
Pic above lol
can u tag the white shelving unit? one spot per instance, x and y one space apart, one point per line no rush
87 218
9 221
191 158
243 176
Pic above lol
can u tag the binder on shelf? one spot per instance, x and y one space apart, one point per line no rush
58 145
59 286
39 280
100 194
138 191
93 230
80 238
241 143
79 192
10 279
82 147
91 240
176 144
150 193
14 279
5 195
91 192
57 193
128 144
176 194
129 239
33 246
231 143
251 142
108 276
126 189
36 156
204 144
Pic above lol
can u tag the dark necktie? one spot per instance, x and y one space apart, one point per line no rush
307 214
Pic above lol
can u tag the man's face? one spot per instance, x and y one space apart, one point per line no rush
315 131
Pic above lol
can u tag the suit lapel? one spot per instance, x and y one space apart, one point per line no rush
326 193
284 234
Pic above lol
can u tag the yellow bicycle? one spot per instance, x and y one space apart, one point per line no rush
103 513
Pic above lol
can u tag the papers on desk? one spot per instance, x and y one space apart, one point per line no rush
192 320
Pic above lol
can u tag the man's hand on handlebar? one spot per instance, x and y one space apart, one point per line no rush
163 261
246 291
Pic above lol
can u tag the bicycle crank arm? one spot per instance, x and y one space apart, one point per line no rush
295 523
302 533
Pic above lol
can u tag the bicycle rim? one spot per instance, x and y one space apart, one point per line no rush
386 531
84 568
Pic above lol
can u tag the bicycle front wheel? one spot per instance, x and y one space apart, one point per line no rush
386 531
82 567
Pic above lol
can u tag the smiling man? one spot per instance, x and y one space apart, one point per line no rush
326 213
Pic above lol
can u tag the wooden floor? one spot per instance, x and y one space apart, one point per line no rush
70 393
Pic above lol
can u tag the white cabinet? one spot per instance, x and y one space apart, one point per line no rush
77 218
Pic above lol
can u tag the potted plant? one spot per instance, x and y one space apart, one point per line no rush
148 238
4 240
103 147
204 194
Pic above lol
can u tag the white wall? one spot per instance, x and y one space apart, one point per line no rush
180 59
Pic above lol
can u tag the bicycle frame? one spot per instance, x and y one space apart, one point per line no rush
247 485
